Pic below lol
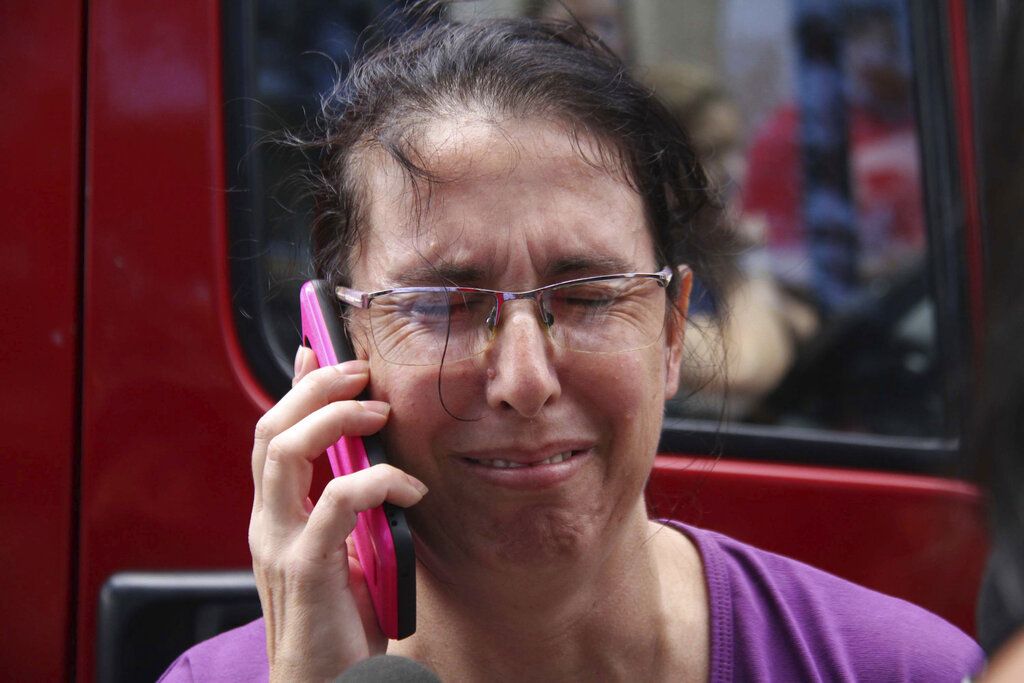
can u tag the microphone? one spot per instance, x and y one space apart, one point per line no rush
388 669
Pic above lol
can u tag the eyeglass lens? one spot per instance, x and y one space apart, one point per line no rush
426 328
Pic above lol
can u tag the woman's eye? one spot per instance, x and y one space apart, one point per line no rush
588 297
429 310
442 308
590 302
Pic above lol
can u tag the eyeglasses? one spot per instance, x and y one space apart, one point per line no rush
431 325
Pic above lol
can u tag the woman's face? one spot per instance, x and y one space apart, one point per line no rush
519 209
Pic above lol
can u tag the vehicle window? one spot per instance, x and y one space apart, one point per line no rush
804 116
279 58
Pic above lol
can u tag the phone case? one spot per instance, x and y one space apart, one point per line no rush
382 537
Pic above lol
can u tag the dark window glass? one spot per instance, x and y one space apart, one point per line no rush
281 57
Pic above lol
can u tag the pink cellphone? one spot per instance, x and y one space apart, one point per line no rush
382 537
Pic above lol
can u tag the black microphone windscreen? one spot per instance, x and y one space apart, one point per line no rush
388 669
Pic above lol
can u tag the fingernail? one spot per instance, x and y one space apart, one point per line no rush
354 367
298 360
379 407
418 485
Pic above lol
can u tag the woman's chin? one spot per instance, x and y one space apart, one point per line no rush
524 537
539 535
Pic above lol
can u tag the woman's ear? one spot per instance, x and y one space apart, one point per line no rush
677 332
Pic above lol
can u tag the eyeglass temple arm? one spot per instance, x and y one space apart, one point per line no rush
352 297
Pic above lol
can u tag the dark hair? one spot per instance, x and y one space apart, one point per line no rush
998 434
514 67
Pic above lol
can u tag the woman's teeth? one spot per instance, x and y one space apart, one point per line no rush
508 464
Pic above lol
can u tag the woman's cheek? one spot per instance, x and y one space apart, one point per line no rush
626 380
413 419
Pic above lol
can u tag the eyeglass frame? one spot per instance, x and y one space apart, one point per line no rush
359 299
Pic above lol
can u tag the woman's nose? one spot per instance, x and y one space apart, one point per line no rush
520 362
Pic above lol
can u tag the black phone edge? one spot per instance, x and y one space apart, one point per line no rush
398 526
405 567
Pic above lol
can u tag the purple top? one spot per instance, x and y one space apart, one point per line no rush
776 619
772 619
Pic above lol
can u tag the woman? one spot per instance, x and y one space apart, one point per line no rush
514 155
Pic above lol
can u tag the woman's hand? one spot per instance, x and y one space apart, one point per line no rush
317 607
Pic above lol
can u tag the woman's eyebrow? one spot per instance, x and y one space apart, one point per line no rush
428 274
468 275
586 265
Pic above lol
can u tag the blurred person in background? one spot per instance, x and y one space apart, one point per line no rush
738 348
834 176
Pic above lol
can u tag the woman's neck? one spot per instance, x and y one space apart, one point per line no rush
635 609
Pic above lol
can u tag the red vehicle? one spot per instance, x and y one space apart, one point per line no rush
144 341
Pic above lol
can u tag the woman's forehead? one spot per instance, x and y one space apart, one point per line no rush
461 153
506 192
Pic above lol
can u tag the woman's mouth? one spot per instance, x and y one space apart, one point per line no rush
528 472
500 464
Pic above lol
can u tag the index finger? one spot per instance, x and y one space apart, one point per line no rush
305 362
312 392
